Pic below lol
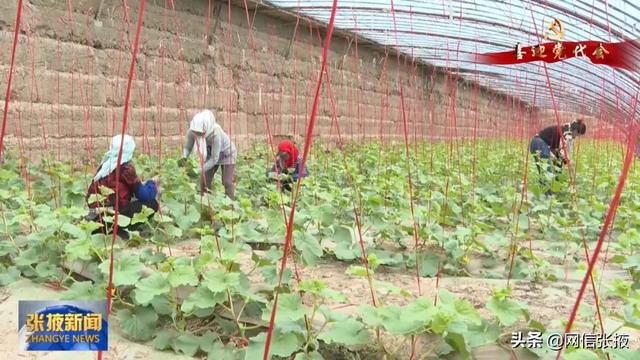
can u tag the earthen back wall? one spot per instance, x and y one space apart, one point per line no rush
70 79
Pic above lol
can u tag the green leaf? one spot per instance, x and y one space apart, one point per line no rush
162 218
123 221
150 287
624 354
309 246
139 324
632 262
7 248
45 270
209 341
357 270
95 198
282 345
219 351
310 356
428 264
79 249
290 308
84 290
387 257
106 191
394 319
9 276
523 222
348 332
183 275
443 349
466 310
446 299
73 230
459 343
334 295
164 339
151 257
441 322
218 280
186 219
126 270
27 257
346 244
507 311
370 316
90 226
315 287
174 232
536 325
423 309
162 305
483 334
202 299
142 216
187 344
580 354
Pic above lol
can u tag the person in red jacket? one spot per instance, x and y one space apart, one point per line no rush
288 162
128 185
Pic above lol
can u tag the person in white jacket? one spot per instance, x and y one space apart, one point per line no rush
214 149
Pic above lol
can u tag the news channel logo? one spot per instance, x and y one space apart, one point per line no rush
63 326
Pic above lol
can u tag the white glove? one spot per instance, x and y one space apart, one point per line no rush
275 176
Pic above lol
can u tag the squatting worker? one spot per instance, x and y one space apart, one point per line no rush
288 161
128 185
546 144
209 141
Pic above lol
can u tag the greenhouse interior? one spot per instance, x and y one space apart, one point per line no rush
320 180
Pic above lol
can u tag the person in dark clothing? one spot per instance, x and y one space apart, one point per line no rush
288 161
546 145
128 185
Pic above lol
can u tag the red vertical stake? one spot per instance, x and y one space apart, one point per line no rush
134 53
7 96
160 107
307 146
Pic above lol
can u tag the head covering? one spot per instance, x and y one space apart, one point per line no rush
288 147
578 126
110 158
147 192
203 122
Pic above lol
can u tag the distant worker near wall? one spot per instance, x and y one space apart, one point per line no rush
287 167
216 148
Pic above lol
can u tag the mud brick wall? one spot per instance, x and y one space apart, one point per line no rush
72 63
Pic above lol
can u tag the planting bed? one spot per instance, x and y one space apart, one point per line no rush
497 258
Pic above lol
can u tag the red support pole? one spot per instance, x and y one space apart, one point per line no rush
7 96
307 147
134 53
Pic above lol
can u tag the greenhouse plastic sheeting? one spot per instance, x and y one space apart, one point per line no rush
447 33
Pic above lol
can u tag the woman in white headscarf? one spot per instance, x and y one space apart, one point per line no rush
214 149
128 184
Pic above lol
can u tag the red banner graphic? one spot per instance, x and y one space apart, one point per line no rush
624 55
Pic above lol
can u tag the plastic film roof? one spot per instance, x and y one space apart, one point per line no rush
446 33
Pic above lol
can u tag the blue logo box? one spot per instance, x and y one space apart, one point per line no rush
63 326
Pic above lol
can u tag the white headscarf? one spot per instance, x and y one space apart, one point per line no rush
110 159
204 122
